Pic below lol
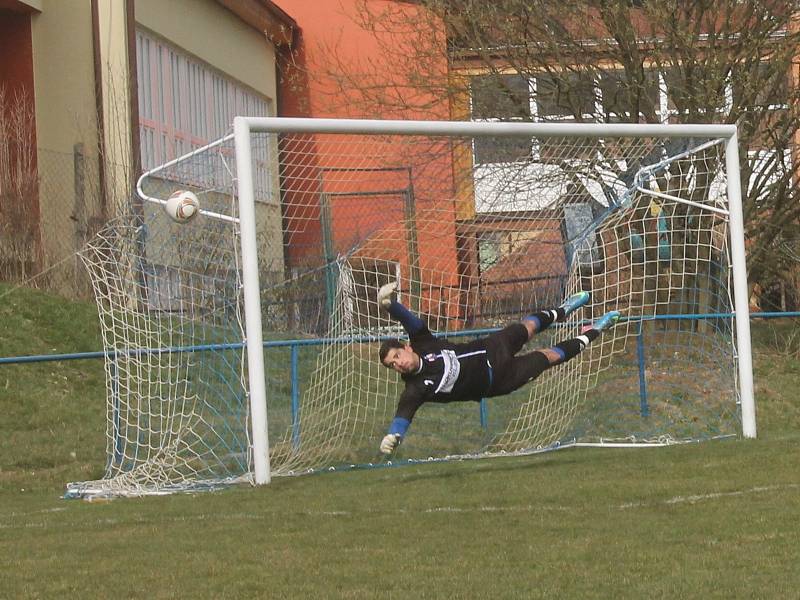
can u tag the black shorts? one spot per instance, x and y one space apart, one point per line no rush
510 372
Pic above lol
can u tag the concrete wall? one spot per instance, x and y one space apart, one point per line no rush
219 38
66 124
115 85
216 36
63 62
78 190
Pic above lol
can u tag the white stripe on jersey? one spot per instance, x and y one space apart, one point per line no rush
452 369
471 354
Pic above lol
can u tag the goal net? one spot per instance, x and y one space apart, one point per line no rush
480 224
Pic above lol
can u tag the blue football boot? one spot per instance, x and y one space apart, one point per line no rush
574 302
607 321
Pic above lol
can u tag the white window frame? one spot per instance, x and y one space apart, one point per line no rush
185 103
664 112
523 201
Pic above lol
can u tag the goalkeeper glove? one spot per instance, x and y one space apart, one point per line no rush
386 294
390 443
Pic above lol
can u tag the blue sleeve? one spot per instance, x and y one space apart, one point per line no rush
410 322
399 425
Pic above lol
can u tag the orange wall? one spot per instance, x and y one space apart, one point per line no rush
328 29
306 91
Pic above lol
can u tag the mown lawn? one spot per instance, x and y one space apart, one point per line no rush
701 520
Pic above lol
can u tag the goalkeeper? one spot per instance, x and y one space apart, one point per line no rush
437 370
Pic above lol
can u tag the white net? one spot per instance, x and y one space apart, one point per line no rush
478 232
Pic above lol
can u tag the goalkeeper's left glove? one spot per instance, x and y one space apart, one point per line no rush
390 443
386 294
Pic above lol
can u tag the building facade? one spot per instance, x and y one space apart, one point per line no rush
100 90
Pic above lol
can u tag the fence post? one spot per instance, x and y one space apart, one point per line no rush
117 459
295 398
644 408
484 410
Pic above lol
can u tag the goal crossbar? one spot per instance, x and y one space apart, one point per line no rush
470 128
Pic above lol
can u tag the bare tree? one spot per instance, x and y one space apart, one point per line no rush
721 61
19 206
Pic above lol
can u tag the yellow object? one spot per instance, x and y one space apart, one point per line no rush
655 208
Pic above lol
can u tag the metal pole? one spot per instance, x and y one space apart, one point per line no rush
326 221
467 128
117 458
295 398
484 414
644 408
740 295
252 301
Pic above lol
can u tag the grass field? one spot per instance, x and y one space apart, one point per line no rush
717 519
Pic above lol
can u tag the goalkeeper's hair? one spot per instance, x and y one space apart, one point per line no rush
388 345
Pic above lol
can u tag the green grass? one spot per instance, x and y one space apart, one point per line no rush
53 414
702 520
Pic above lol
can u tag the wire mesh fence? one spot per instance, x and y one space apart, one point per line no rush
51 204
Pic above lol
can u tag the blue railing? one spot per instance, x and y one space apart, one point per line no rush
320 341
295 345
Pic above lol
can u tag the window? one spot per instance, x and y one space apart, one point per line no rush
621 97
519 269
501 98
564 97
488 250
505 97
514 97
688 90
184 104
767 97
768 90
581 238
567 97
497 246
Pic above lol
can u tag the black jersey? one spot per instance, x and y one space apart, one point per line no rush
448 373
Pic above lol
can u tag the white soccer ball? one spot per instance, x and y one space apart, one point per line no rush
182 206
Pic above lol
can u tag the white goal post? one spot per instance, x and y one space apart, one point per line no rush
245 126
242 343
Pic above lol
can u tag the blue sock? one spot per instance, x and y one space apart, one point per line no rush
571 348
545 318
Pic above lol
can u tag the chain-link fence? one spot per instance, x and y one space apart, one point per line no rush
51 203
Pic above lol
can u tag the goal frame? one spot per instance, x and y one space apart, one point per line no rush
245 126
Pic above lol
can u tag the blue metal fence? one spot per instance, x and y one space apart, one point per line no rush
295 345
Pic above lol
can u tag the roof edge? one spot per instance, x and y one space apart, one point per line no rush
265 16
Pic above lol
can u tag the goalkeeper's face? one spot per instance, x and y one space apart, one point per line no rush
403 360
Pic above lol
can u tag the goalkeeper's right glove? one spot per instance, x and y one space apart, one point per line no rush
390 443
386 294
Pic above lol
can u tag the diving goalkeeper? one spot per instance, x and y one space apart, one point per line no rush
437 370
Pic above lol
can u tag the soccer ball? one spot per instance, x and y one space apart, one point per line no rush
182 206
